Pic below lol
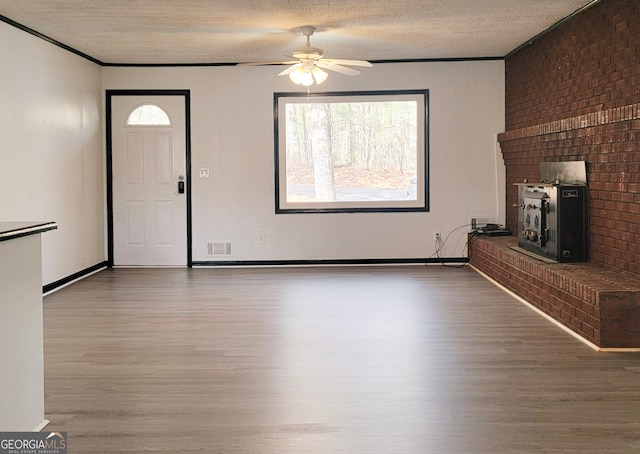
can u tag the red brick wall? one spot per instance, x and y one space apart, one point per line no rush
575 95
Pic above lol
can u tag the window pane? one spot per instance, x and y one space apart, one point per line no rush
148 115
351 152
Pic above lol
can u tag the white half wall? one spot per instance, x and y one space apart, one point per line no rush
51 152
232 136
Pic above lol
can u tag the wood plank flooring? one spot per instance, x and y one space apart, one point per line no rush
325 360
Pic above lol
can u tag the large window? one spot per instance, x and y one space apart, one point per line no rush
356 151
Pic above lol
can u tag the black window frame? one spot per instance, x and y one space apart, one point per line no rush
422 204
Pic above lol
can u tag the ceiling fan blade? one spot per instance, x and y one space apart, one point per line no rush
290 69
339 61
337 68
263 63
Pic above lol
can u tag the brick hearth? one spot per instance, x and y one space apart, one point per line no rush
600 304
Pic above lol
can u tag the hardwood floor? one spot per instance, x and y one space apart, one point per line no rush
325 360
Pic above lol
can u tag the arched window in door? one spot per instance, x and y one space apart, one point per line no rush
148 115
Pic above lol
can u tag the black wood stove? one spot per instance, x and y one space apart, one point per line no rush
553 214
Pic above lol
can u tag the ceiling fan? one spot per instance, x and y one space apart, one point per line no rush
308 68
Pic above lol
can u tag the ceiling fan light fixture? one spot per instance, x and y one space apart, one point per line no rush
301 76
295 77
307 80
319 75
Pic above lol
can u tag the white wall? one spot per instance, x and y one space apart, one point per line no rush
52 156
51 152
232 135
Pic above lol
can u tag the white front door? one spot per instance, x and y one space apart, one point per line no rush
149 181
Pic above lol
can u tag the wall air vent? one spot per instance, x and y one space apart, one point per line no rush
220 248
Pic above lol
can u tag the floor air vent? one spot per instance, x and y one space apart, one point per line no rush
218 248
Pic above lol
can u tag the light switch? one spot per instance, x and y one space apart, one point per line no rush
204 172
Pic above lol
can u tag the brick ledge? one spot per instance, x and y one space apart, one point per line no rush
602 117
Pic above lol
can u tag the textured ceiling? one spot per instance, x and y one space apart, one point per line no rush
231 31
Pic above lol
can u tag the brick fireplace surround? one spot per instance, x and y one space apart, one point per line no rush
573 94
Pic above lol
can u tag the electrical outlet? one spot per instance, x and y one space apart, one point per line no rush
437 236
261 238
